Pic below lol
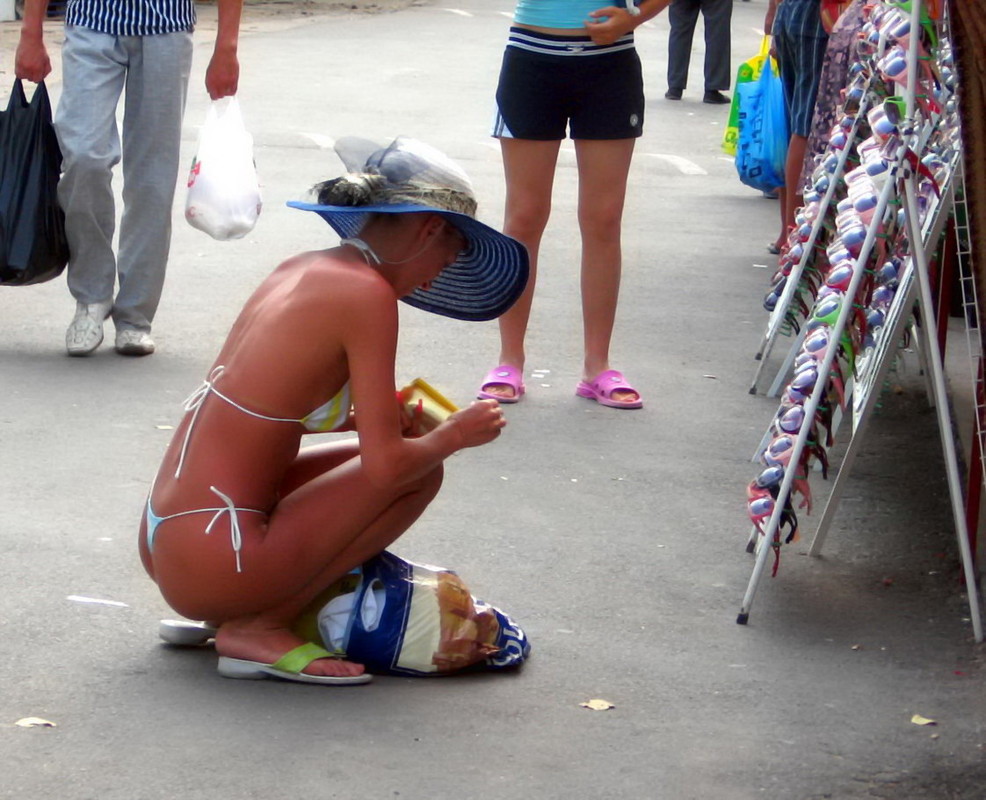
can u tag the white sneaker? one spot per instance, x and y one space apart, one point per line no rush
131 342
85 333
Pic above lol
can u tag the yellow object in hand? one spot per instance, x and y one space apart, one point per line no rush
428 407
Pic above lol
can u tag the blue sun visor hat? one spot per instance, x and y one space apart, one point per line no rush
409 176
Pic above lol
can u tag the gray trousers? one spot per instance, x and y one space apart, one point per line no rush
96 69
682 16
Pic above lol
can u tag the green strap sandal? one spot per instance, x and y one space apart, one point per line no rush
289 668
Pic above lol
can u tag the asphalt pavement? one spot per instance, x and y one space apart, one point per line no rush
615 538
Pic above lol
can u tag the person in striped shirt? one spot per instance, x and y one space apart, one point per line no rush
799 42
146 46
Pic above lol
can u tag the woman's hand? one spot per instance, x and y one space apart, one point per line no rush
614 23
478 424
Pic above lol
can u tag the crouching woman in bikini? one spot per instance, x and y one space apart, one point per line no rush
242 528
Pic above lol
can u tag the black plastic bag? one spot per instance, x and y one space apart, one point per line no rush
33 247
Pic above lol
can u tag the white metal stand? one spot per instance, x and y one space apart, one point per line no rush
914 286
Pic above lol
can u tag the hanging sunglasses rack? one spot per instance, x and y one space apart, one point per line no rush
903 226
830 171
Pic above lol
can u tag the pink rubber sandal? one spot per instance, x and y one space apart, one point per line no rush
601 390
502 375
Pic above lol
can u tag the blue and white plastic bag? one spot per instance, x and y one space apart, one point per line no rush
401 618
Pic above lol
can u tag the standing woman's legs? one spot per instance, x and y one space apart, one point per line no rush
603 169
529 169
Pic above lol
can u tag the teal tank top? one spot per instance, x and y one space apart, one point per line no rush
557 13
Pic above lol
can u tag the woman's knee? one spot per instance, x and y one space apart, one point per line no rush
602 224
431 483
526 221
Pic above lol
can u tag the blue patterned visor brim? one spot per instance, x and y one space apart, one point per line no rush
485 280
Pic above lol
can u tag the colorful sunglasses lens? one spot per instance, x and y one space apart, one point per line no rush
882 296
853 237
828 309
876 167
887 273
880 124
894 65
780 445
815 346
865 200
792 420
875 318
762 507
805 380
840 277
770 477
802 359
778 452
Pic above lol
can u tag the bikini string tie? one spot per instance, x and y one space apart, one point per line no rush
193 403
235 537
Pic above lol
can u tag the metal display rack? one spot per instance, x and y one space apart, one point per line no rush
904 226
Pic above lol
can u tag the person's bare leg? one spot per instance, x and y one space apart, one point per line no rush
266 636
321 529
529 170
791 198
782 207
603 169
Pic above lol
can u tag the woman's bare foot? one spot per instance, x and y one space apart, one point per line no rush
504 383
609 388
500 390
254 641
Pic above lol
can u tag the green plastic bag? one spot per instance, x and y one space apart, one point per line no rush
748 71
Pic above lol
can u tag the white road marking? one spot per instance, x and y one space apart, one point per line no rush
323 141
458 11
79 599
683 165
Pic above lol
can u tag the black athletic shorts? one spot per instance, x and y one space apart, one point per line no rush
553 84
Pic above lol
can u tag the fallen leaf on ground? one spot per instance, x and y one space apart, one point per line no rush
917 719
34 722
597 705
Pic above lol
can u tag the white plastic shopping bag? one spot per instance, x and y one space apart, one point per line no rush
223 192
